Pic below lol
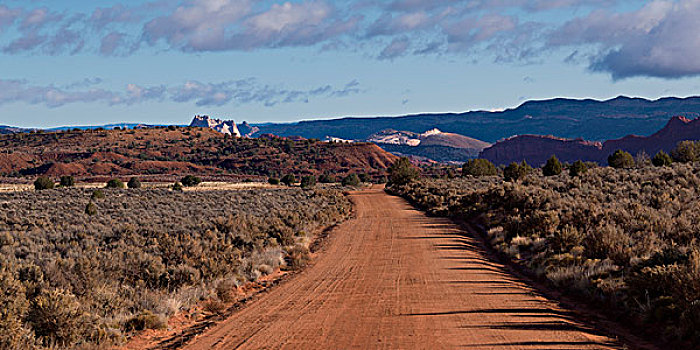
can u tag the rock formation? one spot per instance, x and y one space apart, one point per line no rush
222 126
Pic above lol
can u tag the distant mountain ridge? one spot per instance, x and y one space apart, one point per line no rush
568 118
537 149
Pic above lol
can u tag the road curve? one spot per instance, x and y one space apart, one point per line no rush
393 278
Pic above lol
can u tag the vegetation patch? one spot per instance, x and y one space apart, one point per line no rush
80 267
623 238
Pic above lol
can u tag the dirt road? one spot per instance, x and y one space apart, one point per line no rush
393 278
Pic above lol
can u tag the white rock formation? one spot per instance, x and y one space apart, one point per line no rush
222 126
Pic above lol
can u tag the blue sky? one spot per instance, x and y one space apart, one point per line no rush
77 62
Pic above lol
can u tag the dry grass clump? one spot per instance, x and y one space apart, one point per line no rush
623 238
70 278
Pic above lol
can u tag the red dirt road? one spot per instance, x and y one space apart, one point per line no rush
393 278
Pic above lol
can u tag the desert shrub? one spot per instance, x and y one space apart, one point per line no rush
626 241
578 168
273 181
43 183
327 179
56 318
67 181
621 160
115 183
516 172
662 159
364 177
190 181
91 209
351 180
297 257
402 172
552 167
686 151
97 194
134 183
289 180
308 181
13 308
73 282
177 186
479 167
145 320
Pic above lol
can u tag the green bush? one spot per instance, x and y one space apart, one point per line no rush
308 181
516 172
289 180
351 180
578 168
621 160
364 177
133 183
327 179
97 194
273 181
177 186
686 151
67 181
662 159
115 183
91 209
479 167
402 172
553 167
43 183
190 181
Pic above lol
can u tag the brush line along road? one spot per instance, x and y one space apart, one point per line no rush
393 278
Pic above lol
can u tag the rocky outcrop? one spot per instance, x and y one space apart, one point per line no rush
222 126
537 149
248 130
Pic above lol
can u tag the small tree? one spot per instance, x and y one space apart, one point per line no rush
327 179
479 167
273 181
115 183
190 181
133 183
351 180
515 172
289 179
402 172
90 209
67 181
308 181
43 183
578 168
662 159
364 177
553 167
621 160
685 151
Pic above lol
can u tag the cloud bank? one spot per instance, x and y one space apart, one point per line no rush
236 92
623 38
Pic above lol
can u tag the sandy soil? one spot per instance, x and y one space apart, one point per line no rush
393 278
